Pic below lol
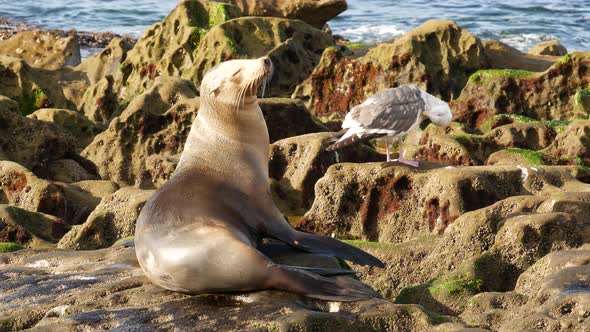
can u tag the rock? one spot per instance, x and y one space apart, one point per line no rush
156 122
550 95
32 143
396 204
572 142
113 219
286 117
106 288
160 168
551 47
106 62
296 163
83 197
75 123
42 49
171 47
23 189
68 170
31 229
551 295
8 104
100 102
293 46
316 13
502 56
31 88
338 83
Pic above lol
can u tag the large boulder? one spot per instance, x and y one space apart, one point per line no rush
156 122
293 46
33 143
106 62
100 102
314 12
502 56
113 219
550 95
82 129
31 88
106 288
43 49
286 117
32 229
438 56
83 197
396 204
8 104
171 47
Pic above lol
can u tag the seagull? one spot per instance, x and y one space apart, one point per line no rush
390 114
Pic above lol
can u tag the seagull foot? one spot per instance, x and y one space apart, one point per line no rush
412 163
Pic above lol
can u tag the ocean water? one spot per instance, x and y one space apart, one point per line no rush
517 23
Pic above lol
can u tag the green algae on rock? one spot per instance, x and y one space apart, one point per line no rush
10 247
339 83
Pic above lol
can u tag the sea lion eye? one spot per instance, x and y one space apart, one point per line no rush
236 72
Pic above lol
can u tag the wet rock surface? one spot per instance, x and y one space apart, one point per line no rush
491 232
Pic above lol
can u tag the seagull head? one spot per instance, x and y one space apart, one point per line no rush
438 111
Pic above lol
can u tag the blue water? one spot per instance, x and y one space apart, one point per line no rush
518 23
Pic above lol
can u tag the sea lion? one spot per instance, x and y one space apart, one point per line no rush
200 231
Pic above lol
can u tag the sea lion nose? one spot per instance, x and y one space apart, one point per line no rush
267 62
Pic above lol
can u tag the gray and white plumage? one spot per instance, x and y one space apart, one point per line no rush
391 112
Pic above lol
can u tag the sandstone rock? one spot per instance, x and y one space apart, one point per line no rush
296 163
286 117
68 170
171 47
96 289
31 88
100 102
23 189
42 49
156 122
502 56
113 219
28 228
293 46
8 104
550 95
83 197
338 83
314 12
573 141
160 168
551 295
551 47
32 143
75 123
396 204
106 62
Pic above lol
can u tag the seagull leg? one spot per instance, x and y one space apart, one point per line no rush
401 158
387 149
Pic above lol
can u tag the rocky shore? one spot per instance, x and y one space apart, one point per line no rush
492 232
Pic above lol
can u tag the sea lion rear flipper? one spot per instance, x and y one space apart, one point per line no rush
326 272
301 281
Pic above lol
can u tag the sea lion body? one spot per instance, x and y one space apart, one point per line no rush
199 231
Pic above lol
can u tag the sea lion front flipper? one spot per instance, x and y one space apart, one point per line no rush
319 244
300 281
326 272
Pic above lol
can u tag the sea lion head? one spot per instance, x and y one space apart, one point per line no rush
234 83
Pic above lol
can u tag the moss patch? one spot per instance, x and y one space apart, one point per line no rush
515 118
482 75
10 247
467 139
357 46
582 100
534 158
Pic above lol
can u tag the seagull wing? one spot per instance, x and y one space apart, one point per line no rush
389 112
